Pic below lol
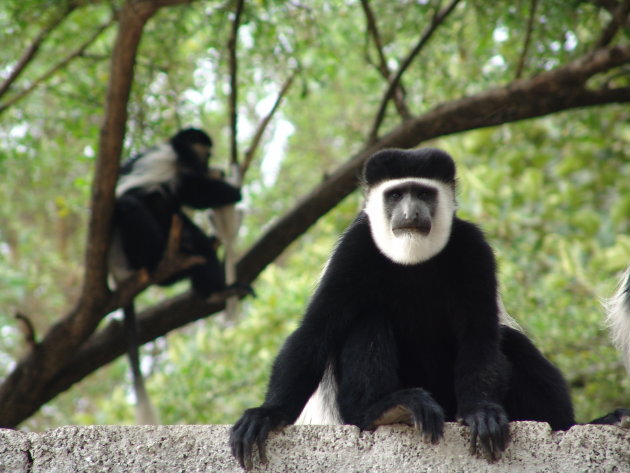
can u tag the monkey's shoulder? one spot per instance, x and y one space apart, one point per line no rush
468 235
356 242
468 253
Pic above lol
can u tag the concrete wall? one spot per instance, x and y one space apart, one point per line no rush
306 449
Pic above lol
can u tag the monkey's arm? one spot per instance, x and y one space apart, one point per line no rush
202 192
480 385
296 373
481 370
300 365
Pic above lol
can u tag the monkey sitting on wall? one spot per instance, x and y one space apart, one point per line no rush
406 326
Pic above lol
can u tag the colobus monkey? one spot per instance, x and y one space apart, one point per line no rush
152 188
619 318
404 325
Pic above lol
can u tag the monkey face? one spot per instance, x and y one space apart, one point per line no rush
410 218
410 208
203 152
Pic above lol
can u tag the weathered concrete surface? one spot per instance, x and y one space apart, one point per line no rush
307 449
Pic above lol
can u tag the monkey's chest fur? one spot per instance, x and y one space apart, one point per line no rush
422 330
415 311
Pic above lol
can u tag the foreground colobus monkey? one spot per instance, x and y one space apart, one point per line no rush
152 188
404 325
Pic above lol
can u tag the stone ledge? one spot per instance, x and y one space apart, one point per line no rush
309 449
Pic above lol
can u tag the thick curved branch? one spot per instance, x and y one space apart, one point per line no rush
22 389
133 18
437 20
550 92
109 343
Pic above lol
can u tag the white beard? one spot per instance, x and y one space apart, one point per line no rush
410 247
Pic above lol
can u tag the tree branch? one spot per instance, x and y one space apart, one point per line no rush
426 36
53 70
22 389
28 330
549 92
382 67
251 151
231 45
32 50
552 91
619 18
528 37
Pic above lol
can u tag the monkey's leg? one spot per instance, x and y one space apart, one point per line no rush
143 239
370 393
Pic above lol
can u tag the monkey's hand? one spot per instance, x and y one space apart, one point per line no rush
619 417
489 430
216 173
414 407
253 428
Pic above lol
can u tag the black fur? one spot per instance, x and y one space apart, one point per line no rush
143 216
395 164
418 343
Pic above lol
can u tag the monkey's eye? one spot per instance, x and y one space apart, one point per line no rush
394 195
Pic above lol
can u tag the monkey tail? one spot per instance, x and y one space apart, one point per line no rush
145 412
618 318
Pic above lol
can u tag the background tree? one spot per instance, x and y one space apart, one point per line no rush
87 82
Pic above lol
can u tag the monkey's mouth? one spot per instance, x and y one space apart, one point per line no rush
403 230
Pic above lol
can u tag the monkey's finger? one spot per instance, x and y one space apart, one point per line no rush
237 452
261 440
236 442
433 427
473 437
248 445
498 432
486 425
496 436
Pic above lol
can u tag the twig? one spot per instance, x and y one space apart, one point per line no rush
382 67
231 45
32 50
28 330
619 17
438 19
262 126
528 38
57 67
